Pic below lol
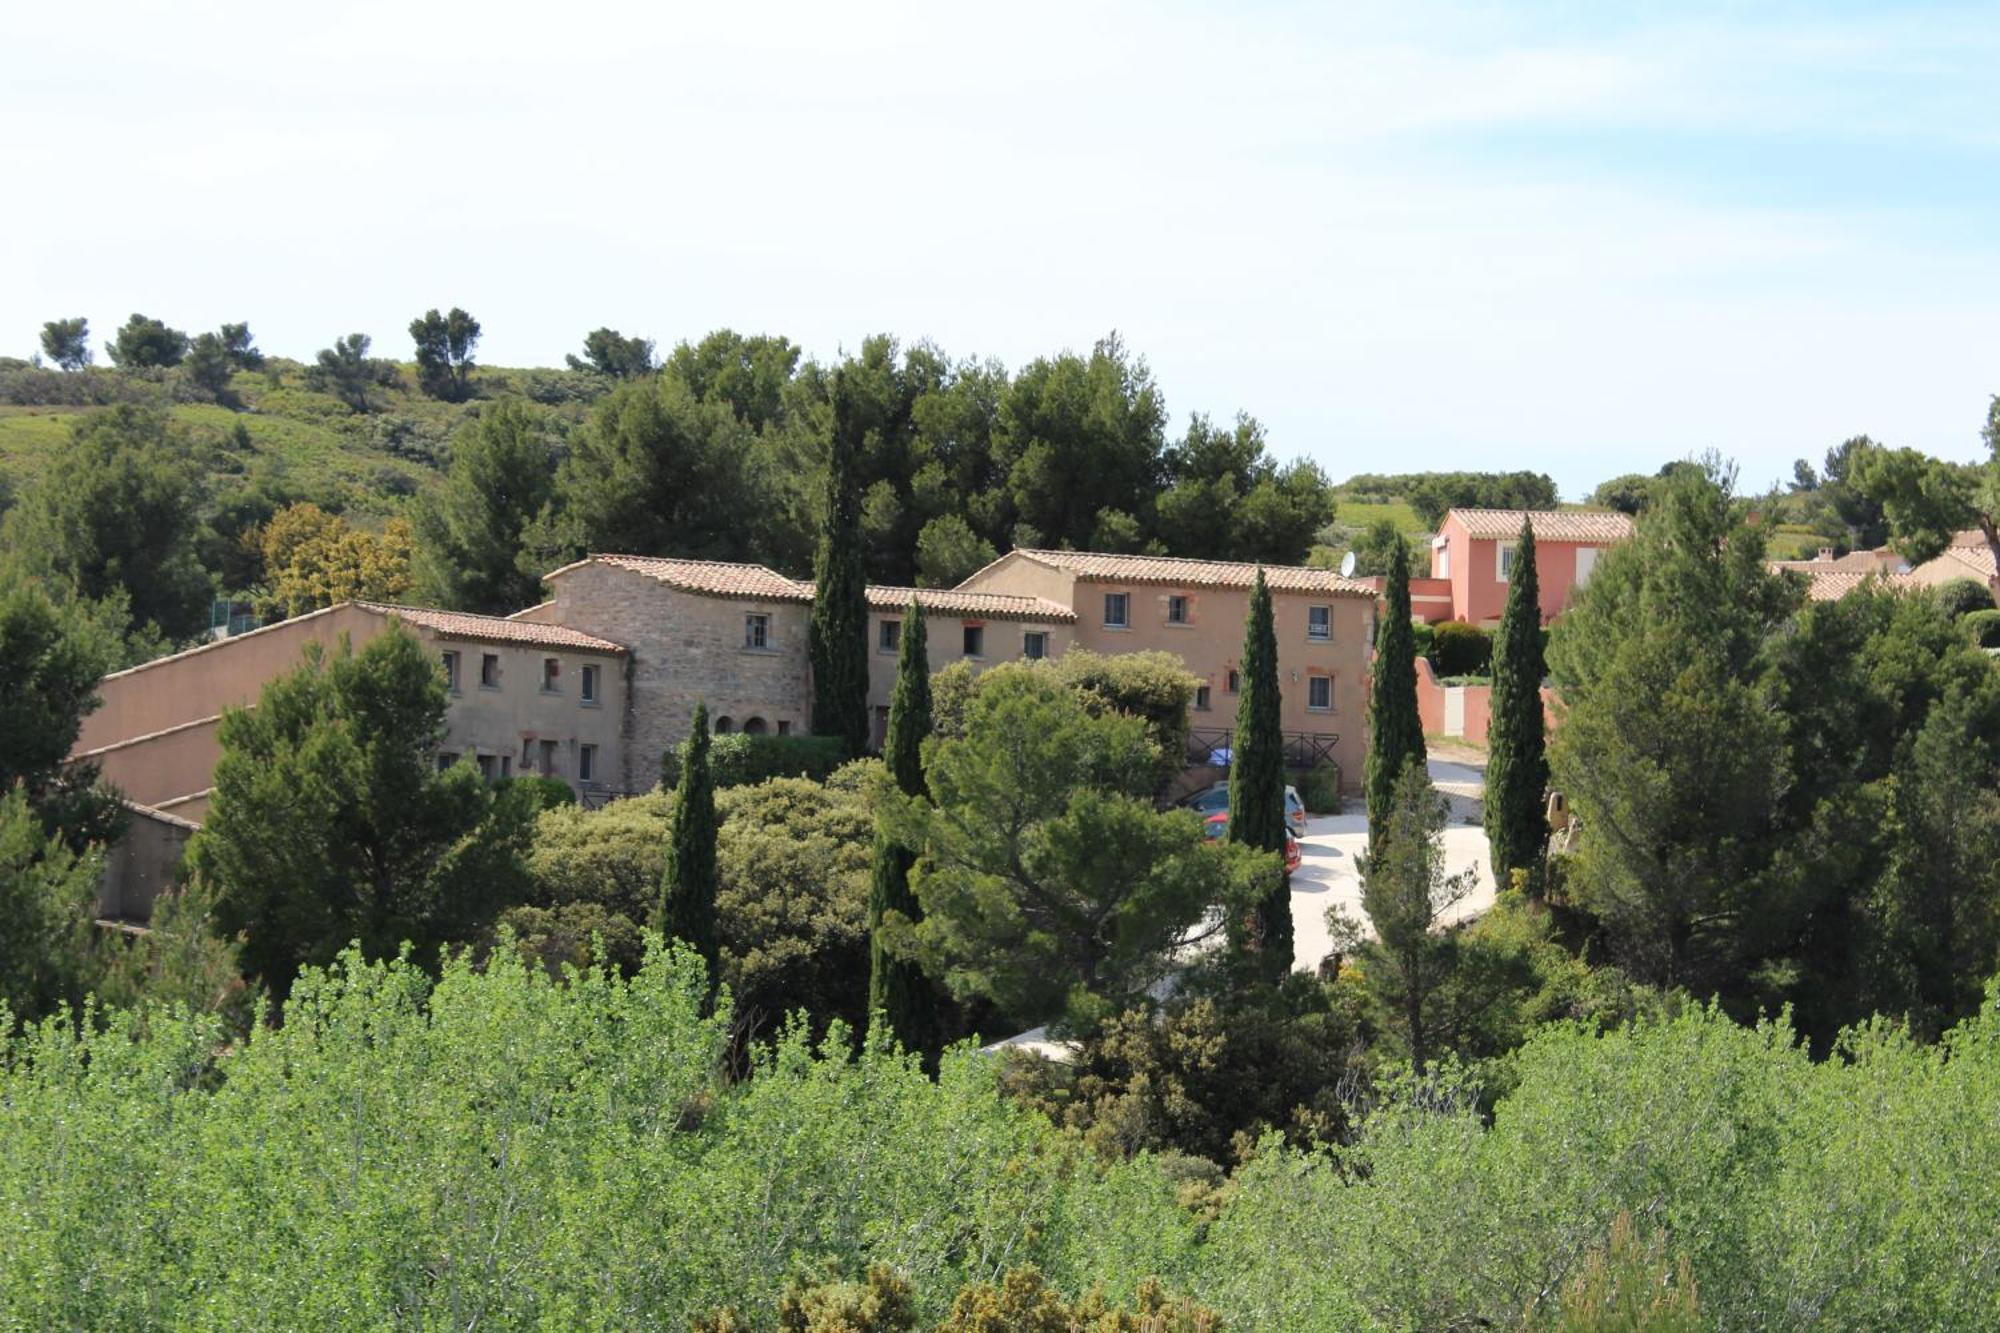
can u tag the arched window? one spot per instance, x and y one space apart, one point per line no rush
723 724
754 727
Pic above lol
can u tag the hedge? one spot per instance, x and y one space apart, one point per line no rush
1962 597
1459 649
1983 626
739 760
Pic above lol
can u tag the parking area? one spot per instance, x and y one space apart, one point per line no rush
1327 872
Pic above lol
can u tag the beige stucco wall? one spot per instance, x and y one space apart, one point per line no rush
512 720
944 640
1020 576
142 865
687 648
164 766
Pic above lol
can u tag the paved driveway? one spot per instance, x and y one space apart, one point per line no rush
1327 874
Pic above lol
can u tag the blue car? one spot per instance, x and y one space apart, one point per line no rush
1217 798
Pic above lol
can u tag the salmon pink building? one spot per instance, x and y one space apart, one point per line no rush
1472 560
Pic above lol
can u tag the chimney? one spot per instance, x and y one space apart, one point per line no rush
1825 556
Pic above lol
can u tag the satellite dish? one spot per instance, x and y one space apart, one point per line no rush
1347 565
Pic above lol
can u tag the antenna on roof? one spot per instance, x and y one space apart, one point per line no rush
1347 565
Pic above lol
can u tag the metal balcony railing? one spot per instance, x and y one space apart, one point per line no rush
1303 749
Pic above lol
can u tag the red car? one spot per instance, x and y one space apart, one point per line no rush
1218 825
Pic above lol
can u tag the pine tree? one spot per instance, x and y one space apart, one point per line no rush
1517 766
1395 731
687 894
898 990
839 631
1257 785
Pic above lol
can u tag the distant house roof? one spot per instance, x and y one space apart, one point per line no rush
1825 584
1552 525
493 629
1179 572
708 578
1977 560
975 605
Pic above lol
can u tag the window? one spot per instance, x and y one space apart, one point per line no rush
1177 610
1506 560
975 641
451 671
723 725
506 766
1443 562
586 763
890 637
527 752
757 631
1035 645
1235 681
1319 623
1201 698
447 759
587 692
486 767
489 671
784 727
548 758
1319 693
551 673
754 726
1586 561
1115 604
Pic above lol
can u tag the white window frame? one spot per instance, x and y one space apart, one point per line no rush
1586 563
1178 600
757 631
586 763
587 688
1032 636
1322 632
1502 564
1315 679
1124 620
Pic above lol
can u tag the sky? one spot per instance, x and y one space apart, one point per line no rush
1579 238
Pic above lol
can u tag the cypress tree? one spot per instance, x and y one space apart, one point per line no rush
687 889
1517 766
898 990
839 629
1257 785
1395 731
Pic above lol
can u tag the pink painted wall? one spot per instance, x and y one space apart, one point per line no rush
1478 595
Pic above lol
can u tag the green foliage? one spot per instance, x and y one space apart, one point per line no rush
1433 494
1959 597
1395 730
609 352
1231 500
1423 636
47 893
67 342
1081 437
1517 766
1155 687
738 760
1320 789
331 823
1049 883
1927 501
51 657
471 528
687 884
1629 494
1459 649
181 961
445 344
114 516
208 365
898 990
1982 627
949 552
143 343
346 371
1629 1286
1262 939
838 626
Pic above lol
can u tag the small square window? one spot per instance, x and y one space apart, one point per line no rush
1319 623
1201 698
489 671
1035 645
551 674
1115 610
586 763
890 637
975 641
1319 693
548 758
756 631
784 727
1177 610
587 691
451 671
446 759
1235 681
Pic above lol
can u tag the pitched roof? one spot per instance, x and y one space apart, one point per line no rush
1978 560
1179 572
1830 585
709 578
976 605
493 629
1554 525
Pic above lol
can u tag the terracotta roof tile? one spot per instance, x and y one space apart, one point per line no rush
1180 572
951 602
1830 585
713 578
1555 525
493 629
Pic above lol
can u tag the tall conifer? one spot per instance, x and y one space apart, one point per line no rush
897 988
1395 730
687 890
1257 785
839 628
1517 766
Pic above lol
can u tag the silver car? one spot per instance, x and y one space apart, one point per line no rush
1216 798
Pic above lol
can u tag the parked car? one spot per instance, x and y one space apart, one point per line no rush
1217 825
1215 798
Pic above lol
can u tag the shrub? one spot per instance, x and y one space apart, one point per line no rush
1983 627
540 793
1959 597
1459 649
1422 633
1320 789
738 760
1155 687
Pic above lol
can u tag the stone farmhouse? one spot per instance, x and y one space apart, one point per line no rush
594 685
